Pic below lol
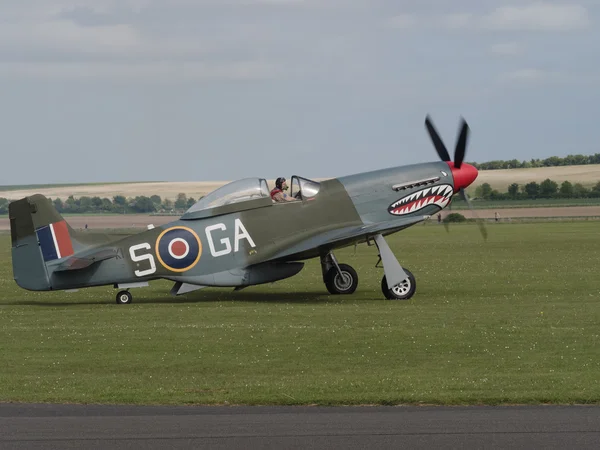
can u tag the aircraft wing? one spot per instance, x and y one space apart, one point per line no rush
346 236
84 260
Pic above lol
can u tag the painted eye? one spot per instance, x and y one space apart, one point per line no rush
444 173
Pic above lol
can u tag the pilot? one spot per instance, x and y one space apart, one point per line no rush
278 194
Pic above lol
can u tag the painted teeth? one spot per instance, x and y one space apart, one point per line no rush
424 198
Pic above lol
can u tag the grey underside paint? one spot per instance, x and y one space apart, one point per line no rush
249 276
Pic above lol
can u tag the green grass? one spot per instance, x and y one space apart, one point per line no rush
512 320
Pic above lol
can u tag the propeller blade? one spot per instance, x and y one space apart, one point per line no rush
480 224
465 197
461 144
437 141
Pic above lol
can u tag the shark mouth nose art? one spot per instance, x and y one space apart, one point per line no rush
438 195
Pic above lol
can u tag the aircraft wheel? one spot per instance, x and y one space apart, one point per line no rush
124 298
345 284
402 291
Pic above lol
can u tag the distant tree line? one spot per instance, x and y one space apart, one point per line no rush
118 204
553 161
531 191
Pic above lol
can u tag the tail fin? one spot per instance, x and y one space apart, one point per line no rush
39 235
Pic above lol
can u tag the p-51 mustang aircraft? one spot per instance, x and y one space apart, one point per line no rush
237 236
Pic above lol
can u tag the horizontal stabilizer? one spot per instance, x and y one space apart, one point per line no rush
81 262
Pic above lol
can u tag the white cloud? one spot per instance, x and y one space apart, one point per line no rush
142 72
119 40
533 76
536 16
106 39
65 35
457 20
537 77
539 16
403 21
29 9
526 75
507 48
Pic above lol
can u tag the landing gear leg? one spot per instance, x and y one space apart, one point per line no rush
397 283
124 298
338 278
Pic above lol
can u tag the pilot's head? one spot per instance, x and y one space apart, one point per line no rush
281 184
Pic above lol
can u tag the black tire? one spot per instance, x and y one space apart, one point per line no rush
124 298
336 285
402 291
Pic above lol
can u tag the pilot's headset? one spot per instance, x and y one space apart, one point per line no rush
279 183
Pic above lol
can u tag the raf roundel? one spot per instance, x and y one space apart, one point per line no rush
178 248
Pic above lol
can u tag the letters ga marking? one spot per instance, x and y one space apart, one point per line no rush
179 250
240 233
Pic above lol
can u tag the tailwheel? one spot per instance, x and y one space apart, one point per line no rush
124 298
344 281
403 290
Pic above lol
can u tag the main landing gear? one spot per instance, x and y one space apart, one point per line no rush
338 278
343 279
397 283
403 290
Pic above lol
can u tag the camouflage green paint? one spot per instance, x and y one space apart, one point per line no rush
346 210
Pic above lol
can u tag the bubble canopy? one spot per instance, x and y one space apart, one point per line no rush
235 192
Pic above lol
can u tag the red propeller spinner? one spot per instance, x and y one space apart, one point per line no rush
463 175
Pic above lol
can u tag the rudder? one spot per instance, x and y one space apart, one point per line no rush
39 234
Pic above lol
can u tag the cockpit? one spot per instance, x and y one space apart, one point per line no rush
248 189
235 192
304 188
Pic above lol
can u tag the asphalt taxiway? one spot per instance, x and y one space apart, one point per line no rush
25 426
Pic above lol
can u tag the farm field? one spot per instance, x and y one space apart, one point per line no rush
163 188
588 175
458 203
511 320
20 187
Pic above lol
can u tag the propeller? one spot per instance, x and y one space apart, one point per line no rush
479 222
464 174
461 142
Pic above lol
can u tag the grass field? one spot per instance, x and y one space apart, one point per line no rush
515 319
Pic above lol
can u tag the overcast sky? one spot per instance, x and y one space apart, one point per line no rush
192 90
